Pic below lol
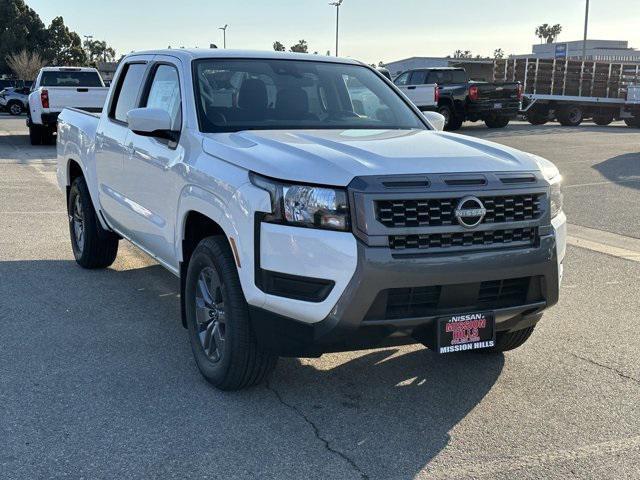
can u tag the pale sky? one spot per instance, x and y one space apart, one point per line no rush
371 30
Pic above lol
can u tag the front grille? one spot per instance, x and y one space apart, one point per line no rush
440 211
398 303
515 237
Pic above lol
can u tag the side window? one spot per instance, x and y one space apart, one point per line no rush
165 94
128 89
418 77
402 79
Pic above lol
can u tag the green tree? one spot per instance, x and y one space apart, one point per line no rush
278 47
98 51
300 47
64 46
498 53
548 33
20 29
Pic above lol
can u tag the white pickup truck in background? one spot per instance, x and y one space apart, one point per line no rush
308 207
57 88
423 96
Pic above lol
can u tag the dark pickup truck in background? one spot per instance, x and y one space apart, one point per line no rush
460 99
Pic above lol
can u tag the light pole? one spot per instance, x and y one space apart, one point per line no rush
337 5
586 27
224 36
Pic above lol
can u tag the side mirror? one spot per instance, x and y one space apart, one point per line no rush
436 120
150 122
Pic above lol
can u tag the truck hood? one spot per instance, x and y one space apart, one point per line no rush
335 157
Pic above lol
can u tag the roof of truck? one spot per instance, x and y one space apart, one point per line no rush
197 53
68 69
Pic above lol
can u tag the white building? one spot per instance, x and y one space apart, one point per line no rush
598 50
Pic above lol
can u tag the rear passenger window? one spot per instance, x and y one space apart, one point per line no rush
128 90
418 78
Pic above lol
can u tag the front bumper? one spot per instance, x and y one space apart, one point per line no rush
357 322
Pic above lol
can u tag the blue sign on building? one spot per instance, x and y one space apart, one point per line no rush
561 50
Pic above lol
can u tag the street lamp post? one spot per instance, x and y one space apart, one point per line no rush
337 5
224 36
586 27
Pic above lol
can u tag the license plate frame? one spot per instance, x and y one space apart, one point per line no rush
466 332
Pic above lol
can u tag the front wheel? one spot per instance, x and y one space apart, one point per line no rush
93 246
222 340
506 341
497 122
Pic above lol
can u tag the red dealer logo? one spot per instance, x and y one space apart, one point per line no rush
466 332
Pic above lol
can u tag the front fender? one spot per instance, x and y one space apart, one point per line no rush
236 218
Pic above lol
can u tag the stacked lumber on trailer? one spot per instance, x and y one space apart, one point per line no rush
543 76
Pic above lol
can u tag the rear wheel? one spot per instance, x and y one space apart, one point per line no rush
570 116
632 122
537 118
16 108
497 121
603 119
451 121
93 246
35 135
222 340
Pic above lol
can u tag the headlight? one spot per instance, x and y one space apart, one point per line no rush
305 205
552 175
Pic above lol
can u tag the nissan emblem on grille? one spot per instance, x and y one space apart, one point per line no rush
470 212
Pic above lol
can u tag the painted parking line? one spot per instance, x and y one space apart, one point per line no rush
612 244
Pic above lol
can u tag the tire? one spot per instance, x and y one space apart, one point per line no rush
506 341
570 116
224 345
451 121
535 118
93 247
15 108
35 135
632 122
603 119
497 122
48 135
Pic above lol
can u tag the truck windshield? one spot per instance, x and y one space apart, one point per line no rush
70 79
233 95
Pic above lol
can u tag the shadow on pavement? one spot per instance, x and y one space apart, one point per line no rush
389 412
97 371
622 169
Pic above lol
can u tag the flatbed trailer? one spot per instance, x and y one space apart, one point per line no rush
571 91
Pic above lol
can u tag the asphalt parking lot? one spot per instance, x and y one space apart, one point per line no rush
97 379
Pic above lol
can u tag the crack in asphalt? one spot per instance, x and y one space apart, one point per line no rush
598 364
317 434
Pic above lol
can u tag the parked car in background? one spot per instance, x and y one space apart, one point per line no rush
460 99
309 207
57 88
14 100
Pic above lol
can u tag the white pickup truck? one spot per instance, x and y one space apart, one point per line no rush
57 88
299 225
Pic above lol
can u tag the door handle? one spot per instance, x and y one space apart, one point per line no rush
411 88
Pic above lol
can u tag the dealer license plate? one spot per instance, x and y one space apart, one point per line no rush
468 331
